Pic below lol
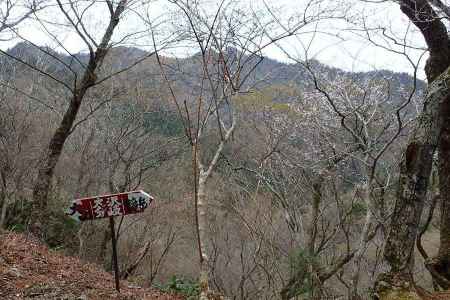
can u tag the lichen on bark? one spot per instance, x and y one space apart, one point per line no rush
415 170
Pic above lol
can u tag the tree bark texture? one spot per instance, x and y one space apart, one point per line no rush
422 14
42 185
4 206
415 169
363 241
202 232
204 174
439 266
441 263
306 273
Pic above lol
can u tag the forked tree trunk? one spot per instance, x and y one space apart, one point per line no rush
201 199
415 169
51 157
416 165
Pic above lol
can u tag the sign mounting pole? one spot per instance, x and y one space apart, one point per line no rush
110 206
114 253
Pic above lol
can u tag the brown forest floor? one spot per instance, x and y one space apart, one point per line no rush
435 296
29 270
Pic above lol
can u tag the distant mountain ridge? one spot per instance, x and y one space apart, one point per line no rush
268 71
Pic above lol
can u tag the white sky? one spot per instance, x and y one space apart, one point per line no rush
337 45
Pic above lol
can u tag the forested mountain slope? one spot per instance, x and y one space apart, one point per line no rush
313 154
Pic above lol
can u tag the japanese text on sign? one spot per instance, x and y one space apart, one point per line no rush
109 205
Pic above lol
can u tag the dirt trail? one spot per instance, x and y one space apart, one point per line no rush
29 270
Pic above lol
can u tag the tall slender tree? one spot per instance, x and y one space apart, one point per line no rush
80 74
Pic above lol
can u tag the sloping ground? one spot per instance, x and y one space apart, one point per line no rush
415 295
436 295
29 270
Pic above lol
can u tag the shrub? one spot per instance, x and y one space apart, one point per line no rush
182 286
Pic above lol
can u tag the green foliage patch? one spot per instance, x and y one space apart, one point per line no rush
59 231
186 287
359 209
274 97
301 282
163 122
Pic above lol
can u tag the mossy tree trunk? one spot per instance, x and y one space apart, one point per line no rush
432 131
439 266
51 157
415 170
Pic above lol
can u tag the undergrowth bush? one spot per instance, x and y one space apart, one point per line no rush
186 287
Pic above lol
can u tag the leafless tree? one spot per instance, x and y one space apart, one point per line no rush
415 168
229 43
16 148
359 110
81 73
13 13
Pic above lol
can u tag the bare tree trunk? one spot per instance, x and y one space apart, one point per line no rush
101 258
81 240
362 244
415 170
42 186
316 284
3 199
4 207
202 207
309 273
416 165
202 225
45 173
439 266
444 247
133 266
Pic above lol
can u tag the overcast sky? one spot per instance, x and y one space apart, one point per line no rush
353 51
338 43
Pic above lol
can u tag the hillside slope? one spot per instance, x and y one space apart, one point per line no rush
29 270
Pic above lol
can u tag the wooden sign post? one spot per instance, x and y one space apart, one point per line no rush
110 206
114 252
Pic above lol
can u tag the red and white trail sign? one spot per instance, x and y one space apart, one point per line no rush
105 206
110 206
